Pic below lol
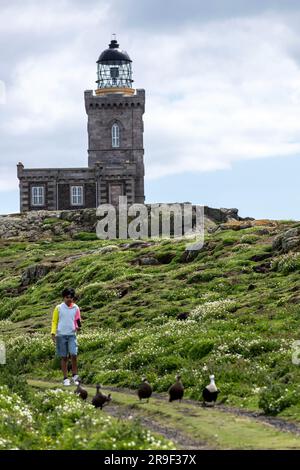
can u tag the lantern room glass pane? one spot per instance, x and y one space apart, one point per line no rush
114 72
115 75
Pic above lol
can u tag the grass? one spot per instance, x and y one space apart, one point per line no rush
57 419
214 428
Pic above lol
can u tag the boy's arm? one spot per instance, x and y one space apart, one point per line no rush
55 317
77 319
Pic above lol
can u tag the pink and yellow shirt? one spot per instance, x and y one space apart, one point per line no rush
64 319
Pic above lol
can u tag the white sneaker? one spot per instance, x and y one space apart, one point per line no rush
67 382
75 379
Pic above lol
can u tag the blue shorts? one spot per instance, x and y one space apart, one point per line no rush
65 345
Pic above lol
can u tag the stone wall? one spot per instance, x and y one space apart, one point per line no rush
127 111
89 195
57 182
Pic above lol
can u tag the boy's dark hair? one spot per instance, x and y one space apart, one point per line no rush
68 291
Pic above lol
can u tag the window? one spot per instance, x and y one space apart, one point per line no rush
76 195
38 195
115 134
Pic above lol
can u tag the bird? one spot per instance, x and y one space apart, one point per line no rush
81 391
176 390
100 399
210 392
144 390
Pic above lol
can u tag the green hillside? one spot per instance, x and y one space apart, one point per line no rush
241 293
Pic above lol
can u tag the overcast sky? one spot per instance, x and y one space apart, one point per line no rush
222 80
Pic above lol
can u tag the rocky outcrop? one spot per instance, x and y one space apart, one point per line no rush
35 272
43 225
107 249
221 215
37 225
288 240
248 223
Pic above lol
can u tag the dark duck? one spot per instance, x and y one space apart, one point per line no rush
100 399
176 390
210 392
144 390
81 392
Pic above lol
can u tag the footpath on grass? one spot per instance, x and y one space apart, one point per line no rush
190 426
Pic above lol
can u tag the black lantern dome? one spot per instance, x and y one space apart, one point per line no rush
114 70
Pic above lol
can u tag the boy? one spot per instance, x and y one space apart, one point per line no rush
65 322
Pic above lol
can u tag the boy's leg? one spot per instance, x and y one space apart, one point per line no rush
72 346
64 366
62 352
74 365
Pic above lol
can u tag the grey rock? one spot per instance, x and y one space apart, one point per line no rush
148 261
189 256
107 249
35 272
290 243
136 244
286 241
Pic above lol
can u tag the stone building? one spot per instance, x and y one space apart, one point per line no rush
115 147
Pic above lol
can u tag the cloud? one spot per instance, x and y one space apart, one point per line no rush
52 17
218 89
42 120
2 92
157 15
234 95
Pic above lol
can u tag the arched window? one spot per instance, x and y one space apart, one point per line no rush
115 135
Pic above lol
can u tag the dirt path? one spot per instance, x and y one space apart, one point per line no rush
181 440
277 423
190 426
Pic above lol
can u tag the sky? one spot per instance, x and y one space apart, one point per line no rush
222 81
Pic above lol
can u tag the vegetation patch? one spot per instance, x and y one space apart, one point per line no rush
237 323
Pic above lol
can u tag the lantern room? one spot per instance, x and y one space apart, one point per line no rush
114 73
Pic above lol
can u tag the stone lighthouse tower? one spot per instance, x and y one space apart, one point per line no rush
115 147
115 129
